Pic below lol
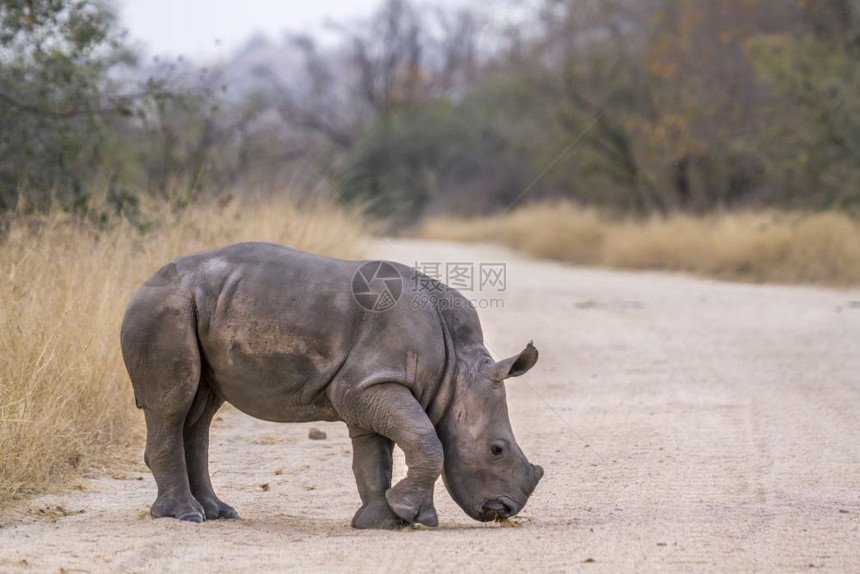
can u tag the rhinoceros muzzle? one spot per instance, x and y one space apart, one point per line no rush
505 506
499 508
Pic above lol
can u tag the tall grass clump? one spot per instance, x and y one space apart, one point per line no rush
65 400
784 247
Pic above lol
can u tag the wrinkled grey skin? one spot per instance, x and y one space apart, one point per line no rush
278 334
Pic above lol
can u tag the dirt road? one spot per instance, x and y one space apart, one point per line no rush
683 424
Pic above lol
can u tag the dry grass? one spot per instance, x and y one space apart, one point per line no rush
819 248
65 399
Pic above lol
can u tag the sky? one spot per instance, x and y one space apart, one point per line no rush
212 28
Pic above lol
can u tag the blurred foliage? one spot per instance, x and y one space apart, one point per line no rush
77 109
407 160
394 166
637 106
647 107
819 146
55 100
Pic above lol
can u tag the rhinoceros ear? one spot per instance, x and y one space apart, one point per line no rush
513 366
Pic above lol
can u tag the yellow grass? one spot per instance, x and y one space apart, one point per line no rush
749 246
65 400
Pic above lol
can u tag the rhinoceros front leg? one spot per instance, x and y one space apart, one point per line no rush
390 410
371 464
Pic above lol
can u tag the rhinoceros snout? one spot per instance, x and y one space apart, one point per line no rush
505 506
499 508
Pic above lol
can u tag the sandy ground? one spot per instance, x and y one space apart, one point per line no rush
684 425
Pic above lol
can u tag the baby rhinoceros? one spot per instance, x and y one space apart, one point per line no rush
289 336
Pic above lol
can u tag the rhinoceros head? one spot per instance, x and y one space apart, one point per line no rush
485 471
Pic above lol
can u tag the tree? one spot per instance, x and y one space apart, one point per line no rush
814 145
56 96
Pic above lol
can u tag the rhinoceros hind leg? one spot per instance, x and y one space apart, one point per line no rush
164 456
159 346
196 437
371 464
186 509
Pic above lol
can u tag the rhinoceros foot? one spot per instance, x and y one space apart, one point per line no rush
411 504
215 509
377 515
188 510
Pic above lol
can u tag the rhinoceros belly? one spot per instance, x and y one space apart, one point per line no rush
280 387
274 366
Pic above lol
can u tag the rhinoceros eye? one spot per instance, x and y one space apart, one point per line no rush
497 449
